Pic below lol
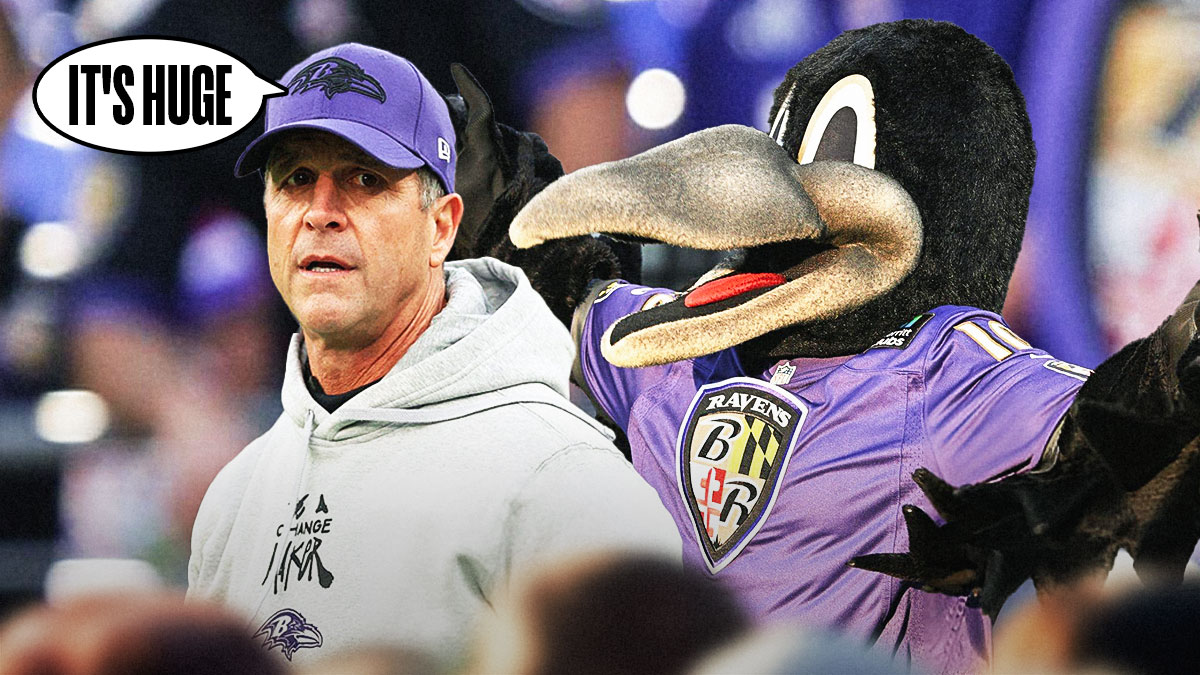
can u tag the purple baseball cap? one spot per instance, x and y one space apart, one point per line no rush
372 98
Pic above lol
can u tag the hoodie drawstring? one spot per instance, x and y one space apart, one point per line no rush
310 423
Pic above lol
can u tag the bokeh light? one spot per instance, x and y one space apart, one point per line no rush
656 99
50 250
70 416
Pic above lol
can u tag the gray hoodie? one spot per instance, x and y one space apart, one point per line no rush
399 517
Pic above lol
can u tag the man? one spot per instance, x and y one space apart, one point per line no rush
426 452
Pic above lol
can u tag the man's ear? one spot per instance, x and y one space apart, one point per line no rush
445 214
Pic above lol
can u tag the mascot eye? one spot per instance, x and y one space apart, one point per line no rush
843 125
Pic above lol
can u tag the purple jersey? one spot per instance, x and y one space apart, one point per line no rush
777 479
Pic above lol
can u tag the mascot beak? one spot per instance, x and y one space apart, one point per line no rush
822 238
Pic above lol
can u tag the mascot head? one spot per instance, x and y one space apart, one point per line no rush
895 178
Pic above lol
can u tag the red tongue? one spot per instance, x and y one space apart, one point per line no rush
727 287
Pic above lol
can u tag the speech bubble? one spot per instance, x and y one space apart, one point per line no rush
147 95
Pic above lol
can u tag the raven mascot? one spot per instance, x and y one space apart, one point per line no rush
840 397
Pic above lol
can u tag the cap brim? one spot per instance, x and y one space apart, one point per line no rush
371 140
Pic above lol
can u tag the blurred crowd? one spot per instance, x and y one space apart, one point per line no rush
600 615
141 343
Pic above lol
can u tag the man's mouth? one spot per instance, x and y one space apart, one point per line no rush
324 267
324 264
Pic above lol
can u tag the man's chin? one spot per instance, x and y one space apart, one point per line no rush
330 320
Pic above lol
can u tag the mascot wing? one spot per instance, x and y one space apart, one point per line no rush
1122 472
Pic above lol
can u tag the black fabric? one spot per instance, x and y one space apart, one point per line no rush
329 402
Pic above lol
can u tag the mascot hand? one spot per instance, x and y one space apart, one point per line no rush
499 170
1123 472
998 535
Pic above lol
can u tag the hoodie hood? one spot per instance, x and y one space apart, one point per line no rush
495 333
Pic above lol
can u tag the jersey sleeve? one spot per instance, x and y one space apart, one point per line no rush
611 388
992 401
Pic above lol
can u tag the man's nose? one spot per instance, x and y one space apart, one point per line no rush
325 210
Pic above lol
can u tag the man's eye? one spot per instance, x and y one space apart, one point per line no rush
299 177
367 180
